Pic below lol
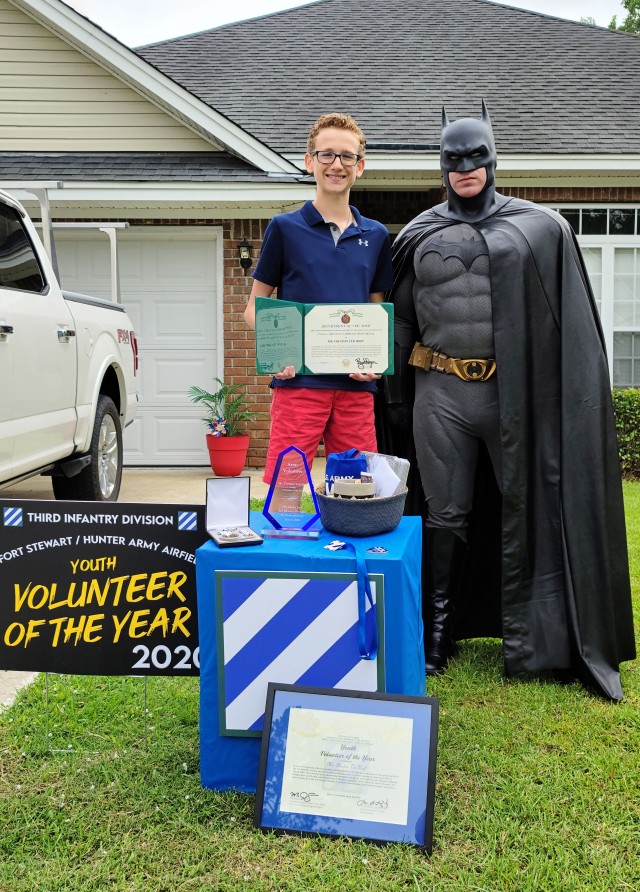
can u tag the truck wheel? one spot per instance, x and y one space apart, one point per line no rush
100 480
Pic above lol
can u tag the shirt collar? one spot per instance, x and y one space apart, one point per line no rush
313 218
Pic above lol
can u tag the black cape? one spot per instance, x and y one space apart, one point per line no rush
547 567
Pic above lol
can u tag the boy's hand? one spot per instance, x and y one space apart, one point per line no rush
364 376
287 372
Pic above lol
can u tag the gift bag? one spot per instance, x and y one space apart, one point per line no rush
343 466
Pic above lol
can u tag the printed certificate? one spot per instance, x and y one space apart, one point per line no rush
321 339
347 765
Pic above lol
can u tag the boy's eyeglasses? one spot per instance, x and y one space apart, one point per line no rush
347 159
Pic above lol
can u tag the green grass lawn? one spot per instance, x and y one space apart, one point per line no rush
538 788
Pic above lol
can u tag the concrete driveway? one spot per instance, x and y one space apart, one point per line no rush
144 485
157 485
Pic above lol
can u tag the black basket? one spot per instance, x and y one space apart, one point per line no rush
361 517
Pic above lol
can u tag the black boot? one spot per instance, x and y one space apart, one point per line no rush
443 555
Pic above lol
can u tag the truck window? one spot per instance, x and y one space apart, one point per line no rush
19 267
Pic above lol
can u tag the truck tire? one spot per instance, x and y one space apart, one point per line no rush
100 480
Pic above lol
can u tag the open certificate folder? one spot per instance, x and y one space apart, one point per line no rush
323 339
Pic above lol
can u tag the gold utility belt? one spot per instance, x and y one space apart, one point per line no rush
466 369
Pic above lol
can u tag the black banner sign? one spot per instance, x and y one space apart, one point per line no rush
99 588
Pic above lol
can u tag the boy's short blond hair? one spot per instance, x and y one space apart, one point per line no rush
342 122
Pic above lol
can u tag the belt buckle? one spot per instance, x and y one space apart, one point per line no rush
474 369
421 356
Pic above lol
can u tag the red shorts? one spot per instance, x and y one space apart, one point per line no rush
301 416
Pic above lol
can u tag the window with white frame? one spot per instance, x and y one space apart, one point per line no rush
610 241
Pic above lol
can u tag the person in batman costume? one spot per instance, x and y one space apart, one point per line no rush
500 360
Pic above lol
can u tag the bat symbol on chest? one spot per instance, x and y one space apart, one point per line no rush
466 251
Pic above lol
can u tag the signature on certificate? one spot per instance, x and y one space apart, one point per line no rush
377 804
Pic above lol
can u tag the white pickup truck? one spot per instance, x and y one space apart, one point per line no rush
68 367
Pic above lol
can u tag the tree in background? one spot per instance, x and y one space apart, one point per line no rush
632 21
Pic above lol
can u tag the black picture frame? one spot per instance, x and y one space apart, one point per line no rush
348 763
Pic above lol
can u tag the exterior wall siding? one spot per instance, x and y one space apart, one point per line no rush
52 98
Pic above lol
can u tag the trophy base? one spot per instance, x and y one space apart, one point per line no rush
289 533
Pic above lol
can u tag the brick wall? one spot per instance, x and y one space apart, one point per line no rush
239 350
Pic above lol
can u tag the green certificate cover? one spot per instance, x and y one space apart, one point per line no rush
323 339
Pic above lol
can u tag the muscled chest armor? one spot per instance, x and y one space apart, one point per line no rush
452 293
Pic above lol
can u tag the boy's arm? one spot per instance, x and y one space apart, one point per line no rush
259 289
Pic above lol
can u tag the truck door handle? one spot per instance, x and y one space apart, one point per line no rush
65 333
5 330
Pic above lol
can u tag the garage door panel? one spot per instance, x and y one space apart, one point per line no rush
174 438
191 320
84 266
160 319
132 440
179 438
131 263
190 265
176 263
168 377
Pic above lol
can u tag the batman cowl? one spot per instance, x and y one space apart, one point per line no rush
468 144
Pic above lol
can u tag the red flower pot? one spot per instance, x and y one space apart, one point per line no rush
228 455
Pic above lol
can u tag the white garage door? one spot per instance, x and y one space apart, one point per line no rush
171 287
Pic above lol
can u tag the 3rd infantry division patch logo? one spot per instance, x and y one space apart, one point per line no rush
12 517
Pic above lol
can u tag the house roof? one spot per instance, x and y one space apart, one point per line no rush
552 86
141 167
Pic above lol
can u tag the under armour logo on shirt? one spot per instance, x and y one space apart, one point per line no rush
363 241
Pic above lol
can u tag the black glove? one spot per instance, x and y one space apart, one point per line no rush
398 396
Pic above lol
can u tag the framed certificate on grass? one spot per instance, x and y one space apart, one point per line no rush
322 339
348 763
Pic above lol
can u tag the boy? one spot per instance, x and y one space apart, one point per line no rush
322 253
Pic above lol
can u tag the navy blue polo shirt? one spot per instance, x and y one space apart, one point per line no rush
301 259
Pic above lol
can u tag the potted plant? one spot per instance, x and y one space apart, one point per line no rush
227 413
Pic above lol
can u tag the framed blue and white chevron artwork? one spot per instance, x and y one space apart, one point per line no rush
291 628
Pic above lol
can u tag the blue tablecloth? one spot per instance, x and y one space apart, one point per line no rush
232 762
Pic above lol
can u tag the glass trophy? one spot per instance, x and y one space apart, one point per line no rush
283 507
